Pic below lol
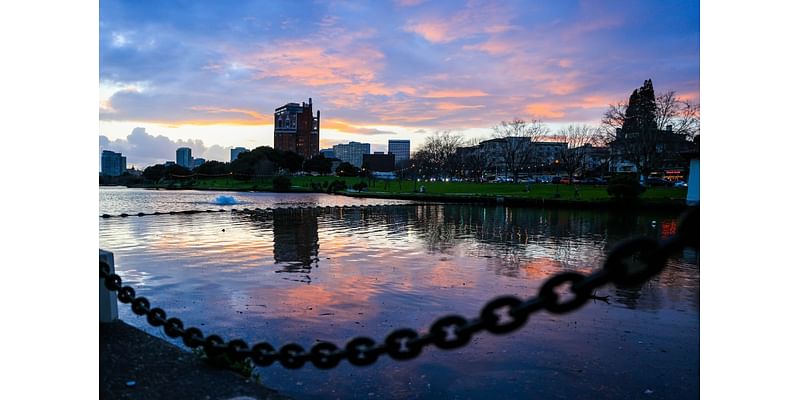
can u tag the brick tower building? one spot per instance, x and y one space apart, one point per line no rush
297 129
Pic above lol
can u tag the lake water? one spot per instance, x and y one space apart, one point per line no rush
307 275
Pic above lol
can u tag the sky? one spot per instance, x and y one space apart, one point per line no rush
208 74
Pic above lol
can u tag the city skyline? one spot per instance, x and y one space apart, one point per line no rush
209 76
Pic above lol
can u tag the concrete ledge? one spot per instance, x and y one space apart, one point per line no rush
162 370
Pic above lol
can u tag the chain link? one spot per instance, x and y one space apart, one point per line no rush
630 262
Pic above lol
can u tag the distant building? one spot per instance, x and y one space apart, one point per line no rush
198 162
112 164
328 153
401 150
297 129
590 159
662 148
168 163
236 151
548 152
352 152
183 157
379 162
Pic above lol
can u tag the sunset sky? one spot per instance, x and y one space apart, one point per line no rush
209 74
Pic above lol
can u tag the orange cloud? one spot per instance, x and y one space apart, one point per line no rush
318 66
257 116
545 110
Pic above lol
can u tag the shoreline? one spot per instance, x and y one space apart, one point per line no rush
506 200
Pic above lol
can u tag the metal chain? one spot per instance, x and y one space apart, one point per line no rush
631 262
268 209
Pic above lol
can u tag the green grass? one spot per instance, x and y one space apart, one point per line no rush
448 189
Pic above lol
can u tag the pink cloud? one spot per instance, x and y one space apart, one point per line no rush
542 110
437 94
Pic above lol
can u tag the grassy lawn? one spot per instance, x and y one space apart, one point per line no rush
449 189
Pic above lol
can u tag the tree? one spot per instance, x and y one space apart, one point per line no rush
213 168
638 132
437 154
514 144
577 137
318 164
472 160
346 169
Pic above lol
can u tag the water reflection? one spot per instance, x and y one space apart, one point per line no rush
296 240
304 275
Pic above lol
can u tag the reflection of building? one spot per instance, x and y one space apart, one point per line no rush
236 151
379 162
296 239
352 152
112 164
183 157
297 129
401 150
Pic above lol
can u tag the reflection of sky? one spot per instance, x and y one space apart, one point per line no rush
373 276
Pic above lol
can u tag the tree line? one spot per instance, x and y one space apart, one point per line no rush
635 130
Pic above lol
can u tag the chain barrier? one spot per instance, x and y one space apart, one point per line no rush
268 209
630 262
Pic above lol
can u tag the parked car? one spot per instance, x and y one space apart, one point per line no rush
594 181
658 182
681 184
556 179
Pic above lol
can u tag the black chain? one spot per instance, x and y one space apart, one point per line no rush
630 262
268 209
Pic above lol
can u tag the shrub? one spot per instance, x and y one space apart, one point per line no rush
625 187
336 186
360 186
281 184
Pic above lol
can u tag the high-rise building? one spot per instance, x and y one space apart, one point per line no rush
297 129
183 157
112 164
401 150
198 162
352 152
236 151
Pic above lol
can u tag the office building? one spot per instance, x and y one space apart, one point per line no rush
379 162
352 152
401 150
198 162
183 157
297 129
112 164
236 151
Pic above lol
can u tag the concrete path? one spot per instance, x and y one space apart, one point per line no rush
137 365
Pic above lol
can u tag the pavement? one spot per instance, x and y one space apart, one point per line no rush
137 365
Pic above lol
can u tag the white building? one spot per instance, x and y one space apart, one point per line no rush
352 152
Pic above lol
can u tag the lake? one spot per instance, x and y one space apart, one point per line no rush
334 274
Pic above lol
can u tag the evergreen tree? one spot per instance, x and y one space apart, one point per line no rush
640 116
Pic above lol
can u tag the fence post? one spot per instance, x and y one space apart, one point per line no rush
108 299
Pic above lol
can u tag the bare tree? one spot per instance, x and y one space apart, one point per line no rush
574 157
649 149
514 144
472 160
436 156
682 115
